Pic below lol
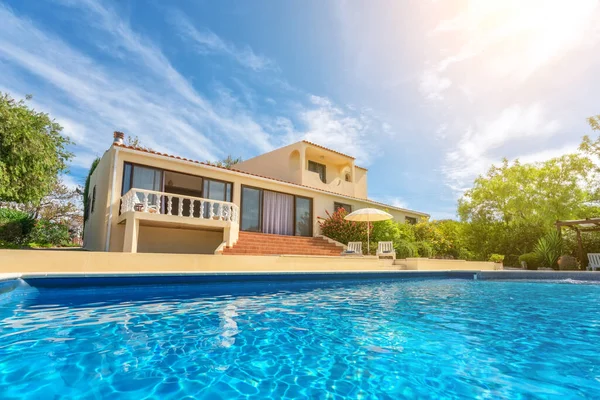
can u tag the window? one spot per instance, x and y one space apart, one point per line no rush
347 177
140 177
319 169
410 220
86 211
93 198
217 190
337 206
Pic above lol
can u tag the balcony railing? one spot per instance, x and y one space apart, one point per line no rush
154 202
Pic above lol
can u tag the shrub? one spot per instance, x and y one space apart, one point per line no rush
424 249
531 260
464 254
549 248
337 228
496 258
15 226
405 249
567 263
8 245
49 233
511 260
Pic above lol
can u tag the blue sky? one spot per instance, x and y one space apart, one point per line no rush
426 94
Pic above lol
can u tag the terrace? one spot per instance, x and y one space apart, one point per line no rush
163 209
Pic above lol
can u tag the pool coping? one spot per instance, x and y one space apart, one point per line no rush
485 275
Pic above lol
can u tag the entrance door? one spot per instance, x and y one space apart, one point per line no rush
278 213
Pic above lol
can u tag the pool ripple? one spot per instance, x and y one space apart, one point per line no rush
451 339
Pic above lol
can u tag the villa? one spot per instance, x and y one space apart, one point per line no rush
149 202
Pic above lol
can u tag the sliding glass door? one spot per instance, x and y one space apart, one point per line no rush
139 177
136 176
251 209
303 216
278 213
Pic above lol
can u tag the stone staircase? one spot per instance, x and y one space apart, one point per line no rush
260 244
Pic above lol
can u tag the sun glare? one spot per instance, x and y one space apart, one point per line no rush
534 30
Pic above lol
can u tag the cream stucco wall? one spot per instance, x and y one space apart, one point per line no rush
430 264
96 232
284 163
181 241
360 182
65 262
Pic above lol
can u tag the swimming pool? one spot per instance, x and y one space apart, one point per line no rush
377 338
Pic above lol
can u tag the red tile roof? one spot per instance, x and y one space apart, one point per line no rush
140 149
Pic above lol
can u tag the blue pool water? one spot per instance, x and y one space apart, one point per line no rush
451 339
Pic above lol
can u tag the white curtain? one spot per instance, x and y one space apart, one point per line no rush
278 213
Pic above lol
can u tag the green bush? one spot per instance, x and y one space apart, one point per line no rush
464 254
549 248
424 249
8 245
405 249
337 228
15 226
496 258
531 259
512 260
49 233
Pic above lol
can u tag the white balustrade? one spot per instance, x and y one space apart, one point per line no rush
150 201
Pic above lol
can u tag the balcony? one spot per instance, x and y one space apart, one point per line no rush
336 185
161 209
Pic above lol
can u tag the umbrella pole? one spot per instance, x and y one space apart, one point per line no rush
368 238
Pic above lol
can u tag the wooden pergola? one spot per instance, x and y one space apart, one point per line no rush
580 225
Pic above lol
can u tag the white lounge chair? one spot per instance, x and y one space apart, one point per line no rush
386 249
594 261
354 248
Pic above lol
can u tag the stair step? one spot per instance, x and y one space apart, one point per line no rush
250 243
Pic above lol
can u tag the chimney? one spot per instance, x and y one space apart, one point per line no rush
119 137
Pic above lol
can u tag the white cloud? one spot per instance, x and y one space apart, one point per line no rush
393 201
207 42
92 101
70 182
495 54
474 152
433 85
352 133
516 38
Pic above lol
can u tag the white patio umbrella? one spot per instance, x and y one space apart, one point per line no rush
368 215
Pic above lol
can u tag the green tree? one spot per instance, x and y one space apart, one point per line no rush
228 162
32 152
540 192
134 141
86 189
515 204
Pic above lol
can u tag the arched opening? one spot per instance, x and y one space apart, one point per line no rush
294 162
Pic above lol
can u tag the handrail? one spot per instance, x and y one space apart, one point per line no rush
155 202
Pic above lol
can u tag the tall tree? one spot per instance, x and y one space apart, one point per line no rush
541 192
32 152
